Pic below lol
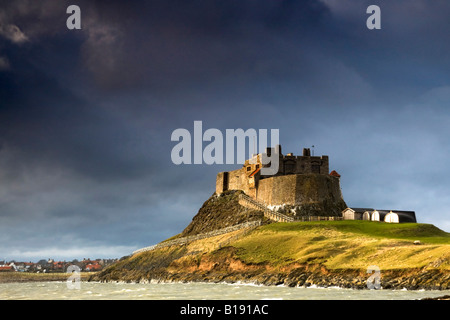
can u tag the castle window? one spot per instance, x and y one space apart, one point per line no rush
225 181
315 168
249 168
257 166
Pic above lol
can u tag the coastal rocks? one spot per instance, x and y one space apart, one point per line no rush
446 297
175 264
172 266
299 278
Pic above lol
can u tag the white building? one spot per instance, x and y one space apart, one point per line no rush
370 214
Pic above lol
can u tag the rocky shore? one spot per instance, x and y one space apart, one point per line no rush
350 279
224 267
345 279
301 277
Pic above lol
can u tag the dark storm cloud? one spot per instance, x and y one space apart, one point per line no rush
179 44
86 115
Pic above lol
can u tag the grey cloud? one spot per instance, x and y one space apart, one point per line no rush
4 63
24 20
13 33
165 51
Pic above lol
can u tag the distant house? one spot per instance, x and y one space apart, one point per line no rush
28 266
20 266
58 265
93 267
6 268
370 214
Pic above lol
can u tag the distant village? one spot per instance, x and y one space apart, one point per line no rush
50 265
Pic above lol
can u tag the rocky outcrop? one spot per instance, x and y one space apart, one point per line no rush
221 211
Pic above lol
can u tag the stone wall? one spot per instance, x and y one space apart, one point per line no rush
313 194
232 180
248 202
277 190
221 182
313 188
298 189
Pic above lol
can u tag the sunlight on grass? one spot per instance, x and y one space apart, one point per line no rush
347 244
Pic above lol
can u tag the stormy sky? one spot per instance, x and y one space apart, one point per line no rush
86 115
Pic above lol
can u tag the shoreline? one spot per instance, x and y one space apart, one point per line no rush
62 277
232 280
319 277
255 284
445 296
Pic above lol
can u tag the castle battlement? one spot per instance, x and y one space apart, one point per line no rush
290 163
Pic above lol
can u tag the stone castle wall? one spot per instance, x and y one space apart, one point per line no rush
293 189
277 190
299 189
233 180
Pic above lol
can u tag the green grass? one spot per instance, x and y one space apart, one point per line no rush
426 233
346 244
334 245
32 277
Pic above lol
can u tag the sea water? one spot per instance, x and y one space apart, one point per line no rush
196 291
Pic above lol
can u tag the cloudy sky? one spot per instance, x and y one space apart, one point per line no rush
86 115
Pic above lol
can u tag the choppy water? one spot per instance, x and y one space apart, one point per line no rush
196 291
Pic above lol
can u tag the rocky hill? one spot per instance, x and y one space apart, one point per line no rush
221 211
325 253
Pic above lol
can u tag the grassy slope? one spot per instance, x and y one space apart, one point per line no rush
32 277
347 245
278 247
138 265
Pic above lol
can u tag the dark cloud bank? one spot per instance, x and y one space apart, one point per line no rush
86 115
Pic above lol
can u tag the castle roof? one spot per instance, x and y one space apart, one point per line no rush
335 174
362 210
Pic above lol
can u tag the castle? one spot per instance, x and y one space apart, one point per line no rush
303 183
